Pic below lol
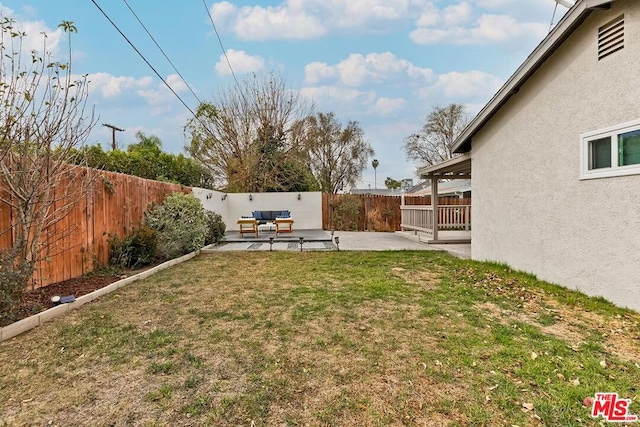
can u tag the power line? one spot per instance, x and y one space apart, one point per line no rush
224 52
146 61
161 50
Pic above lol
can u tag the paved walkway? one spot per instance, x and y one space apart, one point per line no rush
356 241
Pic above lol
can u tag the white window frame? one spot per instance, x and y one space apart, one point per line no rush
614 170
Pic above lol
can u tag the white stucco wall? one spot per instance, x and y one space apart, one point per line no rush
530 208
306 212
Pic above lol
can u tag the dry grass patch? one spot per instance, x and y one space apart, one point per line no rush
426 278
319 339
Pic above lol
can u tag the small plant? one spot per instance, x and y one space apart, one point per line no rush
12 285
181 223
346 212
216 228
108 185
137 249
378 219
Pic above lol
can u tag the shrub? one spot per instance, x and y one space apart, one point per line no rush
346 212
216 228
137 249
13 281
181 223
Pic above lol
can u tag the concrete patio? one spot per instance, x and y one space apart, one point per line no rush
320 240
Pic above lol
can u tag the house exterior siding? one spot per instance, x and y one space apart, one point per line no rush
531 209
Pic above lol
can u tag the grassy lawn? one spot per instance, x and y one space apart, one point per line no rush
325 338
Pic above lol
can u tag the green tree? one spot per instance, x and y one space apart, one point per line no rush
146 159
374 164
432 144
277 168
244 137
336 155
391 183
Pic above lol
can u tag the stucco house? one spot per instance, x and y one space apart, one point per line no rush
554 157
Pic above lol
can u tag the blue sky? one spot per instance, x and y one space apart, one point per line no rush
383 63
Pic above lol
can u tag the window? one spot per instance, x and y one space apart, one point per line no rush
614 151
629 148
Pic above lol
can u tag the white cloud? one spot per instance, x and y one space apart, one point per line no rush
388 106
176 83
465 22
348 86
110 86
494 4
463 87
305 19
325 95
456 14
358 70
260 23
35 34
487 29
223 11
131 90
159 97
240 61
475 22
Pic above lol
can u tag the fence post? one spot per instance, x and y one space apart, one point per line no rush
434 204
467 218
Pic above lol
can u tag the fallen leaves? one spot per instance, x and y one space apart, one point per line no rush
528 406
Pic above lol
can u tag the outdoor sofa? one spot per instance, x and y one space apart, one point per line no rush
281 219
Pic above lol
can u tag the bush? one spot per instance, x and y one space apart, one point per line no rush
181 223
137 249
216 228
13 282
346 212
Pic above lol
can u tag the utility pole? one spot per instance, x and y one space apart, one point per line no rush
113 134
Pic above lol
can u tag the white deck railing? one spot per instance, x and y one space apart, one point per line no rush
450 217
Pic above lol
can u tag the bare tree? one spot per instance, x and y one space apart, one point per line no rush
243 136
337 155
42 121
433 143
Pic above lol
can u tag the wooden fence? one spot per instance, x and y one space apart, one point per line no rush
374 212
78 243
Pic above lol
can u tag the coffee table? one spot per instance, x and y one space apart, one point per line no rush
266 228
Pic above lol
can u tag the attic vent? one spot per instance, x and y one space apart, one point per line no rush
611 37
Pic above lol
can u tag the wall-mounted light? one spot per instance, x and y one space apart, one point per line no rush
224 197
299 196
250 197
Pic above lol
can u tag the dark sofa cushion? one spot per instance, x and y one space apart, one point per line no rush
268 216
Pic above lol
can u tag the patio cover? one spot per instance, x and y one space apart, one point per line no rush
456 168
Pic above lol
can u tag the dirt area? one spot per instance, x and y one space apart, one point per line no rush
38 300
